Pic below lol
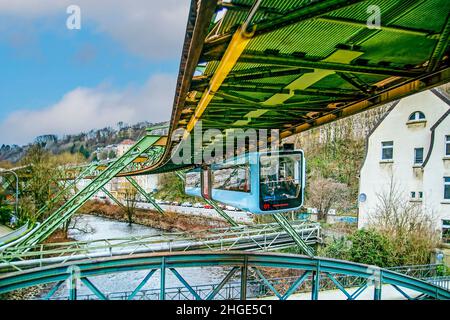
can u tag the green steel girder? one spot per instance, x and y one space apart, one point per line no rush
286 225
291 61
441 46
111 196
66 211
268 88
388 18
294 16
260 74
222 213
86 172
236 260
147 196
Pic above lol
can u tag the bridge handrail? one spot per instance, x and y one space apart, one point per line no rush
262 290
242 260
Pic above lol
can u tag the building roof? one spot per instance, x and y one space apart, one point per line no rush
127 142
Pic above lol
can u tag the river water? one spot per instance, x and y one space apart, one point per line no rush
90 227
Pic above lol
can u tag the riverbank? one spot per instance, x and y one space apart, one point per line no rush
169 221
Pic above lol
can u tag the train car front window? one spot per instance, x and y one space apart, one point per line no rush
280 181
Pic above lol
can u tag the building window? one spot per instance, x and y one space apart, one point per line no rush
416 116
387 150
418 155
446 231
420 194
447 188
413 194
447 145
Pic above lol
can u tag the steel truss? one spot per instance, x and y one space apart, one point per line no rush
143 147
264 237
316 272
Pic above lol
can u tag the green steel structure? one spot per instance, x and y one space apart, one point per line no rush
295 64
241 264
262 237
57 218
289 65
146 195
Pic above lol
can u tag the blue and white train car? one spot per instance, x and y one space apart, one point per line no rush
258 182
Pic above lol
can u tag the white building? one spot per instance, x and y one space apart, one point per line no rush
124 146
410 150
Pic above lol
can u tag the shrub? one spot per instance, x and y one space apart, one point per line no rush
5 215
370 246
337 249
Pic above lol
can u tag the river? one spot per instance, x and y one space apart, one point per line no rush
103 228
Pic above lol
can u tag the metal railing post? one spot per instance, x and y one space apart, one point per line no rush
315 282
162 292
244 276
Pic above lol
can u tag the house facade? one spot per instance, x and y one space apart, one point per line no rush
408 157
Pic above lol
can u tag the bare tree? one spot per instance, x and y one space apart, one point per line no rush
324 193
410 225
130 196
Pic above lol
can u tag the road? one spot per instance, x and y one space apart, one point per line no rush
238 216
4 230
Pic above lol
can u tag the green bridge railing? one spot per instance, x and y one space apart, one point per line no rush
311 274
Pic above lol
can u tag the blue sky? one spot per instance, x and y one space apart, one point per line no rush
121 66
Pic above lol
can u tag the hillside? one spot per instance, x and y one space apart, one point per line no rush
86 142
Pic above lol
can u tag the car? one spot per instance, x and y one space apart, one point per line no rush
198 205
186 204
230 208
207 206
175 203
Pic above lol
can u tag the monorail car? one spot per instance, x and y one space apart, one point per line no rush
258 182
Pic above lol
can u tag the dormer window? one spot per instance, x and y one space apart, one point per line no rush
416 116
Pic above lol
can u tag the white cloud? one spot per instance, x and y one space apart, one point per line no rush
83 109
149 28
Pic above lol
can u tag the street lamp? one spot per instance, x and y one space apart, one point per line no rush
17 187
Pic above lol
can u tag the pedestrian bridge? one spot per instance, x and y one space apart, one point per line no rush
311 274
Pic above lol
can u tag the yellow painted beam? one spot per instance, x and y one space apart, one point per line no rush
237 45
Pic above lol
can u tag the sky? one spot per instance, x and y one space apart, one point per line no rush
120 66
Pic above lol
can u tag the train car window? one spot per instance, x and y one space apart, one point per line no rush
235 178
280 181
193 179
